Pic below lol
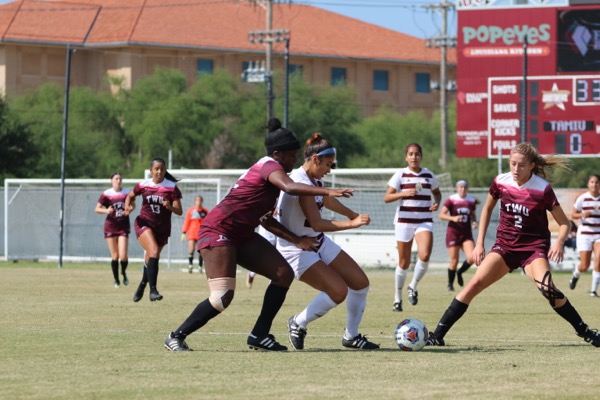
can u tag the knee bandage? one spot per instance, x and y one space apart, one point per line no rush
549 291
221 292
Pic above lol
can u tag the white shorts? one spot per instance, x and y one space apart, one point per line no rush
406 232
301 260
586 242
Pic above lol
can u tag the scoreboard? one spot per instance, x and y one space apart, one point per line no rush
561 71
563 114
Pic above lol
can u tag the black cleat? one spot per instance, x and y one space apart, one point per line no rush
459 278
450 288
413 296
125 279
397 307
591 336
593 294
267 343
433 341
573 282
176 344
154 295
359 342
296 334
139 293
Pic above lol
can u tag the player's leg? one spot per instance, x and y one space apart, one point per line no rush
453 252
149 243
191 250
584 245
401 272
467 247
112 243
123 243
424 239
596 272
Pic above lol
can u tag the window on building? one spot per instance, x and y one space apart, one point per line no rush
204 66
296 69
380 80
422 82
338 76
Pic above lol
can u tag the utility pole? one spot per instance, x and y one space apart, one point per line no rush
268 37
443 42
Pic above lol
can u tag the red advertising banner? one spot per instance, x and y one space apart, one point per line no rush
562 76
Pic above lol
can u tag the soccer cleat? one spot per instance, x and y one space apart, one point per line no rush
459 278
190 269
593 294
117 285
139 293
359 342
200 270
176 344
573 282
125 279
397 307
591 336
433 341
249 281
267 343
154 295
450 288
413 296
296 334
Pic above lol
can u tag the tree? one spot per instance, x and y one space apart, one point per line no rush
18 154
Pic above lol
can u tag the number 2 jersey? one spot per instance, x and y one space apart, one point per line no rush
523 212
152 213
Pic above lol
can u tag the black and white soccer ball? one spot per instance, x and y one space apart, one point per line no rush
411 334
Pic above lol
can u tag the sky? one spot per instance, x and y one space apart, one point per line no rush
406 16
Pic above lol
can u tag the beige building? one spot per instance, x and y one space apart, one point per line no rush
126 40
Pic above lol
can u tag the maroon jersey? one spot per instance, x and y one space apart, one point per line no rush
152 213
116 223
458 232
253 196
523 222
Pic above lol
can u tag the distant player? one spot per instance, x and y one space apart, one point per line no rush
417 192
194 217
160 198
587 208
116 226
522 240
459 211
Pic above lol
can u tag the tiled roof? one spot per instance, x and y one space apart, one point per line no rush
205 24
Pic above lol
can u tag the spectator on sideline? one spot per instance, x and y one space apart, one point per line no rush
329 269
459 211
522 240
587 207
160 198
116 226
194 217
228 238
413 188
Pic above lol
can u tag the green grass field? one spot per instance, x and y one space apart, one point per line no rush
68 334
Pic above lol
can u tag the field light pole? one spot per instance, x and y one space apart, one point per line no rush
524 94
63 159
286 98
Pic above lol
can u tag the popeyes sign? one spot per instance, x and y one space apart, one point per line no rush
491 34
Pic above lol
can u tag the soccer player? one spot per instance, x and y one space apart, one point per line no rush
228 238
413 188
116 226
329 269
587 208
522 240
160 198
194 217
459 211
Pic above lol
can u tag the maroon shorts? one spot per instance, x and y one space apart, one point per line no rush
457 238
209 237
519 259
162 238
116 234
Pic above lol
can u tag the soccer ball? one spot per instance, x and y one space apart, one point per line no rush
410 335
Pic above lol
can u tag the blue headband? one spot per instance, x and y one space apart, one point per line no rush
462 182
328 151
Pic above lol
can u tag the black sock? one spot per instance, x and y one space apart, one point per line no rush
452 314
114 265
464 267
144 275
200 260
152 272
124 266
190 258
272 302
451 275
570 314
203 313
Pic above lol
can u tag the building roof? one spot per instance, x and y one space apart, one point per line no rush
206 24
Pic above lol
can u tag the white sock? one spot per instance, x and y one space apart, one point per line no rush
595 281
400 279
320 305
420 270
356 301
576 273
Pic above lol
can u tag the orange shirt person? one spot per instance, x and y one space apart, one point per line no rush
194 217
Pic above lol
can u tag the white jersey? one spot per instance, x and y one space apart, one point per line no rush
414 210
590 225
289 212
